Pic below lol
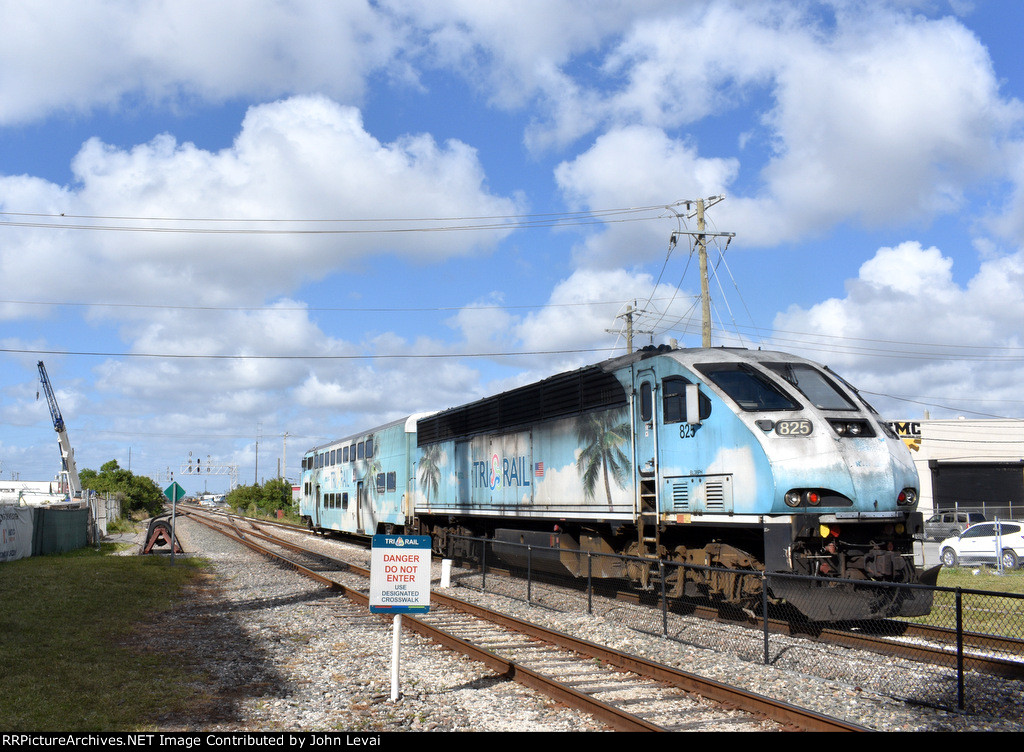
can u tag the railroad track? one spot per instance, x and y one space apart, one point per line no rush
987 654
626 692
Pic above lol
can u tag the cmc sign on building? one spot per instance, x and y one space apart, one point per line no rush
968 464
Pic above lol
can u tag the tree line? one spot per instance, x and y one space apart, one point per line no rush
140 494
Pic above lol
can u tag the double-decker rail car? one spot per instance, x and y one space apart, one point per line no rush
723 457
359 484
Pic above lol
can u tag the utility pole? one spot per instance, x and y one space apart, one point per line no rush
702 255
284 470
628 316
259 435
701 241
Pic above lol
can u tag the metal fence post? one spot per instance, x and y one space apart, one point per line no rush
590 584
483 564
664 599
764 613
529 573
959 650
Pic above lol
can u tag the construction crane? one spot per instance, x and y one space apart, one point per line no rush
69 471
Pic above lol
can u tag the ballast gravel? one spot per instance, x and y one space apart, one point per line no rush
279 652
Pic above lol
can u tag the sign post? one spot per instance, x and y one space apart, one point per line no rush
174 492
399 584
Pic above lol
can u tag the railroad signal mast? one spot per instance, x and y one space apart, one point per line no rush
199 467
69 470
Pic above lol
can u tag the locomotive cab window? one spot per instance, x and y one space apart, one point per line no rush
746 387
813 384
673 400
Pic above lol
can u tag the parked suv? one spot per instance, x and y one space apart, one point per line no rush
946 524
985 543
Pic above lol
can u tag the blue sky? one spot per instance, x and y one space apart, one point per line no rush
238 223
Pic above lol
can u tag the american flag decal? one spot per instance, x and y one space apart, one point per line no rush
538 470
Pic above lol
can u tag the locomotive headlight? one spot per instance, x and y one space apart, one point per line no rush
851 428
793 498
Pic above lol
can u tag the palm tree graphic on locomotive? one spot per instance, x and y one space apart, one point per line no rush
601 437
429 470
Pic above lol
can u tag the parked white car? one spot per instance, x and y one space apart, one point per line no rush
985 543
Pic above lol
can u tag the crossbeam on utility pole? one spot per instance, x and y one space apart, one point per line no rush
701 237
630 331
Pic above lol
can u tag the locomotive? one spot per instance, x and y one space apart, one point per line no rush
722 457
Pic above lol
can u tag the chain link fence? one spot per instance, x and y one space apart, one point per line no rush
931 645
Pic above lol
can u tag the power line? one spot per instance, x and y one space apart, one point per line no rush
934 404
334 226
363 356
582 213
338 309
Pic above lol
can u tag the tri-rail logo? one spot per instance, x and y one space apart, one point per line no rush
501 471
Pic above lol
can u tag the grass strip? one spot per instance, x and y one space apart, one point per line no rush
65 622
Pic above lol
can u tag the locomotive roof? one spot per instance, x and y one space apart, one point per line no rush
569 393
564 394
356 436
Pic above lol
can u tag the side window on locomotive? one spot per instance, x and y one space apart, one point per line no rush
673 400
646 402
369 447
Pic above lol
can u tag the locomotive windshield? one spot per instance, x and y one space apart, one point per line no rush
746 387
822 393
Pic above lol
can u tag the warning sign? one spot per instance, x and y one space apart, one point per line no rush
400 574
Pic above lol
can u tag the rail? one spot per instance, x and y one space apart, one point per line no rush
977 635
778 711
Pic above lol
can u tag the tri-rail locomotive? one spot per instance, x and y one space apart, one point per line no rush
720 457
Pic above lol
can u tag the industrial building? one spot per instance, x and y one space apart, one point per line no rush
972 465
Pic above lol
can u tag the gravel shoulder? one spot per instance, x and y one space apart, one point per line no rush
281 653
